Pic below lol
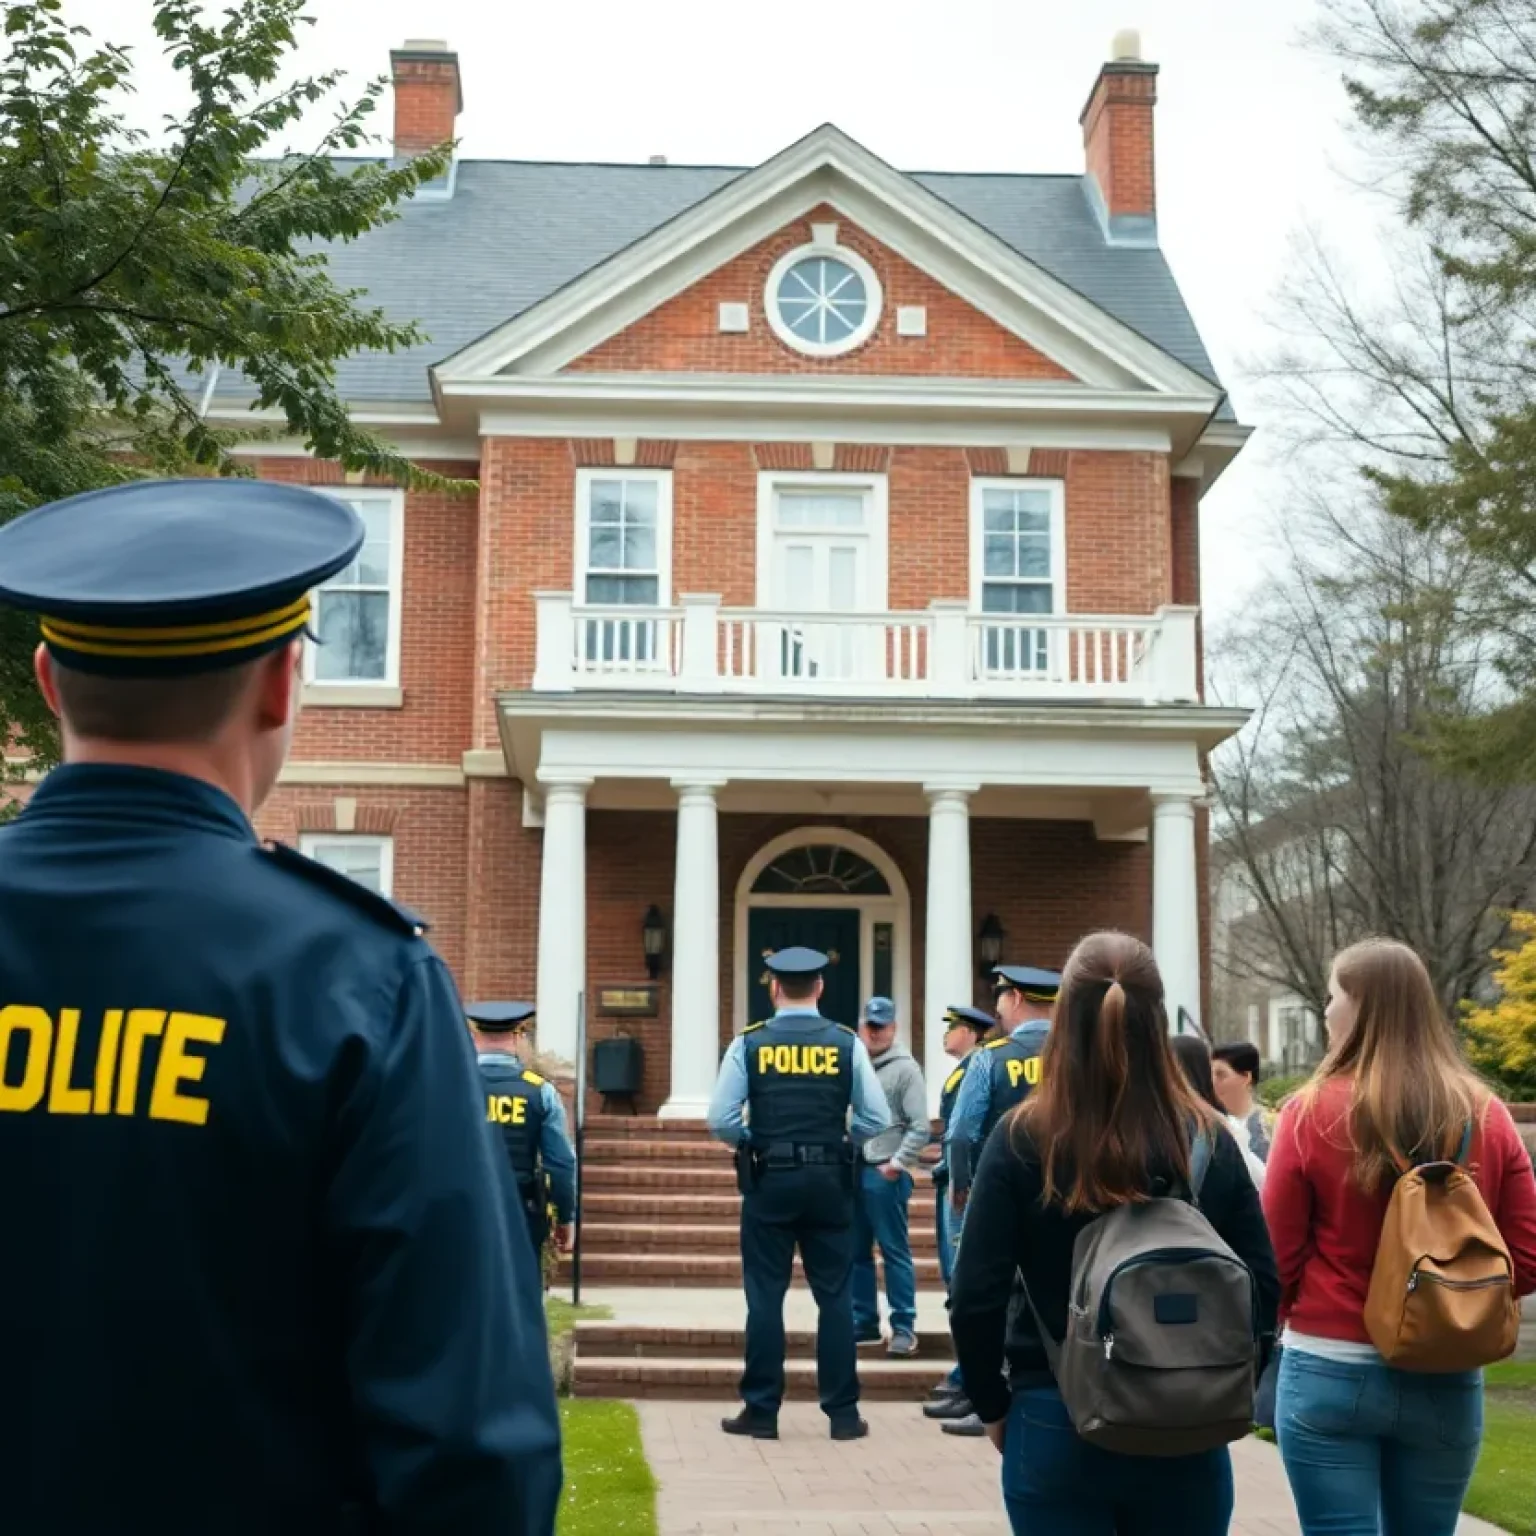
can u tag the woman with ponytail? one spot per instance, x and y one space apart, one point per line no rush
1111 1123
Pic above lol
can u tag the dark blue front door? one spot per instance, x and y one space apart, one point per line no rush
832 930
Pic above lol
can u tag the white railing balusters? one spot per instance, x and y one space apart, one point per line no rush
944 651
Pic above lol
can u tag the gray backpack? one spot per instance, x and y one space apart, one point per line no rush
1162 1329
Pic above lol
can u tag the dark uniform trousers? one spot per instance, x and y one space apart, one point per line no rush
798 1192
810 1207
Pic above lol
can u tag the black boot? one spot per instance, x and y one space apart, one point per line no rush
948 1408
757 1425
849 1429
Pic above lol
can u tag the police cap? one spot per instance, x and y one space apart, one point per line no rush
162 578
880 1012
1038 986
797 961
495 1018
972 1018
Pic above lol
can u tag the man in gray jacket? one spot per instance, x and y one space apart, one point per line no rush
885 1187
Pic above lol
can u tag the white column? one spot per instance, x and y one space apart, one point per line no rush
695 953
562 917
1175 903
947 954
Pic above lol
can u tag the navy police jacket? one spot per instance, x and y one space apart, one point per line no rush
258 1273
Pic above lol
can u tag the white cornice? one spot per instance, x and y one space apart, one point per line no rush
825 166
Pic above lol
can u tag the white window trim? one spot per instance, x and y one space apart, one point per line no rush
1056 489
873 292
582 542
876 489
310 841
359 689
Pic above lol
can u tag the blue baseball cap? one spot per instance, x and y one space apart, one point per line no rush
880 1012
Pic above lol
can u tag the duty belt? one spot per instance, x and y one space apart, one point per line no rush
792 1154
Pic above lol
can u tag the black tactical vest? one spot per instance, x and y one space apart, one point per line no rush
799 1083
514 1107
1015 1068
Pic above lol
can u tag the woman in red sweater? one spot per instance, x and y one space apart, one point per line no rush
1367 1448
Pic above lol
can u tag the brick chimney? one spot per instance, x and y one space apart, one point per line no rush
1117 139
428 96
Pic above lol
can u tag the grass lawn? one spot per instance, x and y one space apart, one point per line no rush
1504 1487
561 1316
608 1484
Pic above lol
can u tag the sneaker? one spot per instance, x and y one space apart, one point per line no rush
903 1345
970 1425
754 1424
868 1340
849 1429
949 1408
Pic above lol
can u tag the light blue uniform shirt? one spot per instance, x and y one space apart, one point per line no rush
871 1113
555 1150
973 1105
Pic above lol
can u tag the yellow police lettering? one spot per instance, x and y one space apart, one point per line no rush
176 1066
62 1099
142 1023
800 1060
18 1098
106 1060
506 1110
1027 1071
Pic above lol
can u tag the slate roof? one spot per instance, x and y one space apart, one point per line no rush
515 231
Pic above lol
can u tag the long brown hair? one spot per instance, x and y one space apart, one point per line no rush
1412 1094
1112 1101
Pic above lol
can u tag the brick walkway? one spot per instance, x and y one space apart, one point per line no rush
907 1479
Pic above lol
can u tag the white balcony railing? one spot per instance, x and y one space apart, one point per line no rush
942 652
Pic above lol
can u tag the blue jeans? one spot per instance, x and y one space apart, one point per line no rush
1371 1450
880 1216
948 1232
1055 1485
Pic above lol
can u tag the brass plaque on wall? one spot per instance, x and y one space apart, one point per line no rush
631 1000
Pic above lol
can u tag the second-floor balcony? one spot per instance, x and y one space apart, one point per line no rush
945 651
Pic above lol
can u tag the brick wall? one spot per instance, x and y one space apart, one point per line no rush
1118 139
683 335
430 832
1119 531
437 635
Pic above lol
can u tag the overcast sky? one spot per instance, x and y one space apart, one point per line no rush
1251 127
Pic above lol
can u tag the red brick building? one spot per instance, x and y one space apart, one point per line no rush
832 576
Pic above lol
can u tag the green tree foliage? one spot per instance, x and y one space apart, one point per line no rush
130 266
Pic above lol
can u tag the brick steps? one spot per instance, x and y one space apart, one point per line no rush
636 1149
880 1380
613 1341
622 1179
715 1268
690 1237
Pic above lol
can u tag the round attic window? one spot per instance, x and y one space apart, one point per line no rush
823 300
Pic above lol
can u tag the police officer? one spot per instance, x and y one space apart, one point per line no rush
258 1269
525 1111
1006 1069
797 1076
964 1030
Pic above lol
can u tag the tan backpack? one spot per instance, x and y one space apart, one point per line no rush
1442 1294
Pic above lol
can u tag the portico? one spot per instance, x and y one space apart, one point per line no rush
951 787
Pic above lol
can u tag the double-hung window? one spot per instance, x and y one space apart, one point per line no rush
357 611
368 860
623 560
1018 568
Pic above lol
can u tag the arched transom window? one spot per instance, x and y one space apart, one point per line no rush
821 869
